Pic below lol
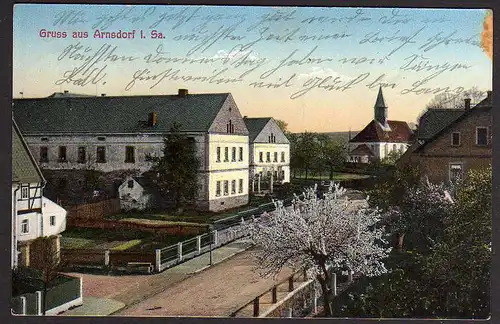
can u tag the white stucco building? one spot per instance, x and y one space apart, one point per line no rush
269 153
380 137
112 134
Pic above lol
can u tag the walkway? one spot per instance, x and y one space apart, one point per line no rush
215 292
126 290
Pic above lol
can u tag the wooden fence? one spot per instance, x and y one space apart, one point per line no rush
97 210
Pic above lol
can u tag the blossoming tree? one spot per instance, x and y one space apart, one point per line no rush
321 234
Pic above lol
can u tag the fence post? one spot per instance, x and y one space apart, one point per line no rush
290 283
106 258
158 259
315 300
39 302
23 305
216 238
256 307
275 295
179 251
349 275
290 312
198 244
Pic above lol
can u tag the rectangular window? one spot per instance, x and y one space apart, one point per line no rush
44 154
226 187
268 157
130 184
240 189
226 154
101 138
101 154
25 193
456 172
481 136
25 226
241 153
82 154
52 220
218 153
129 154
282 156
233 154
62 153
261 156
233 186
217 190
275 156
275 175
455 139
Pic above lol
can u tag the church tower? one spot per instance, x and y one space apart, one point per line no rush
381 109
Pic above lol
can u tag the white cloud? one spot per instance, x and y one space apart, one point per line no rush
321 72
222 54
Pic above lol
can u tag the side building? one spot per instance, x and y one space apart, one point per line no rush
451 142
75 137
269 153
33 215
380 137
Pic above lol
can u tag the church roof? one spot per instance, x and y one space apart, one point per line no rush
362 150
380 99
398 132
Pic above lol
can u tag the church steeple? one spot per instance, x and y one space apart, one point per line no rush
381 108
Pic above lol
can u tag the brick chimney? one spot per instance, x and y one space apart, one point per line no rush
153 118
182 93
467 103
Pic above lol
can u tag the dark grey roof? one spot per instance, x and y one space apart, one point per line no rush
68 95
380 99
121 114
24 167
434 120
255 126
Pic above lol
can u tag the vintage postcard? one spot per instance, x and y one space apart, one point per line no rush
250 161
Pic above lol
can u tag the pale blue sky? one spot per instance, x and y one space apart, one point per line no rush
36 64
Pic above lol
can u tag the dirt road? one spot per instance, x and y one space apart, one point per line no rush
217 291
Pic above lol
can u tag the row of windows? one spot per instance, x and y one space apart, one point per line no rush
25 225
268 157
274 174
226 154
226 187
481 137
82 154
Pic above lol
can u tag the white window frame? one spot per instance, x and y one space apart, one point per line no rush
218 188
25 226
450 167
459 139
52 220
25 193
481 127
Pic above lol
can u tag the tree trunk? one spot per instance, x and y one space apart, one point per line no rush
306 173
400 241
44 301
327 306
331 172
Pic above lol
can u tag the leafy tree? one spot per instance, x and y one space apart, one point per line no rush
320 235
307 151
332 154
451 101
282 125
392 157
177 169
46 260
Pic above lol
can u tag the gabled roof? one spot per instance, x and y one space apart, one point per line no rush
255 126
483 106
362 150
24 167
434 120
121 114
399 132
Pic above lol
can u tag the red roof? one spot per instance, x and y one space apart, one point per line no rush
399 132
362 150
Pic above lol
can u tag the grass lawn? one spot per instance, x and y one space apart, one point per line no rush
89 238
337 176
